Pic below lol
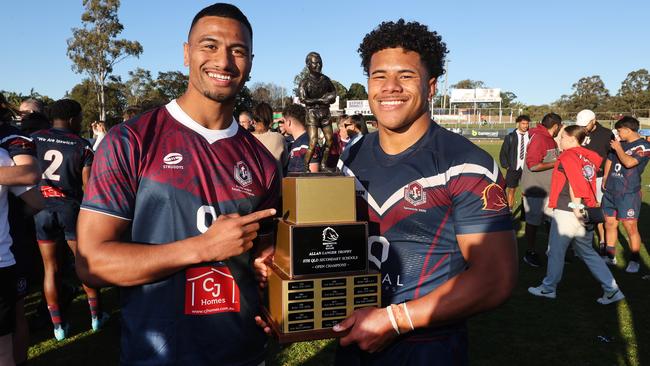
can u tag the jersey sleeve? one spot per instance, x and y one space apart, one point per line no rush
18 144
479 203
112 186
641 153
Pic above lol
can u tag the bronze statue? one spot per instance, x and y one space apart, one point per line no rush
317 93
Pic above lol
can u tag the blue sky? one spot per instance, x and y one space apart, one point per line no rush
536 49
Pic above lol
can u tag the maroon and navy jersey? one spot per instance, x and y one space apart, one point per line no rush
622 180
62 155
297 153
171 178
15 142
417 201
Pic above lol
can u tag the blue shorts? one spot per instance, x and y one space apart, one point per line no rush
626 206
57 219
440 347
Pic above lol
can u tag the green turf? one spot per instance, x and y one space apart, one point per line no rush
525 331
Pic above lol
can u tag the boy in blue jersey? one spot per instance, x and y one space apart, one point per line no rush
65 159
173 206
439 223
622 188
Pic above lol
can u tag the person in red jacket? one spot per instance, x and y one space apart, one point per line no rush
573 187
535 183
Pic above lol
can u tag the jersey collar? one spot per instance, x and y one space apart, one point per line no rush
210 135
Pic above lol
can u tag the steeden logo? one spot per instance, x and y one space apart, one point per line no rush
172 160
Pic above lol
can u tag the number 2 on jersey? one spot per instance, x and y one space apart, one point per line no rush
56 158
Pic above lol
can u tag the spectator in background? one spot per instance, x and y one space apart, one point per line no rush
99 131
598 139
622 186
31 105
541 154
273 141
246 120
573 187
294 123
356 128
513 156
343 132
32 116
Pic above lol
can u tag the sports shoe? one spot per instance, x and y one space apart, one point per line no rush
61 331
632 267
532 259
611 297
611 261
97 322
541 291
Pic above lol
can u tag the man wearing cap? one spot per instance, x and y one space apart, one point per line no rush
598 139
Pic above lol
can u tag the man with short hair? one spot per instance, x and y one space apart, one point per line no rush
541 153
173 207
294 124
356 129
598 140
439 225
65 159
513 156
622 188
246 120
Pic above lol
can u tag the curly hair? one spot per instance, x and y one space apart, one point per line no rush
411 36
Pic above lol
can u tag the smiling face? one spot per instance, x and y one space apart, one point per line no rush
399 88
219 55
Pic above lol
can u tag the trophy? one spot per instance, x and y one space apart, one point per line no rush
320 271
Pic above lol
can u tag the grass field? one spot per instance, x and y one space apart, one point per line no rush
525 331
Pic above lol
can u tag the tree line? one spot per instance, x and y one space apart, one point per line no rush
95 49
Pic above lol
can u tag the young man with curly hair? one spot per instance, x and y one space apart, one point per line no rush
439 224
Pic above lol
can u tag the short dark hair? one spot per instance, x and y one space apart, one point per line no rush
223 10
551 119
411 36
523 117
579 132
295 111
628 122
358 121
263 113
64 109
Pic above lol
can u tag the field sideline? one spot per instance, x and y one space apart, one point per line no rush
525 331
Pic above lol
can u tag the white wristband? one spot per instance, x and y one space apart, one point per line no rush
391 316
408 316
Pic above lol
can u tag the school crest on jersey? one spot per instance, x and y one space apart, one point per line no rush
588 172
414 194
494 199
243 174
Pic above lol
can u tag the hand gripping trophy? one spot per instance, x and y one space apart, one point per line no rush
317 92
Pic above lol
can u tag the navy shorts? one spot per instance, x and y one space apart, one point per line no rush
7 300
57 219
626 206
512 178
441 347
